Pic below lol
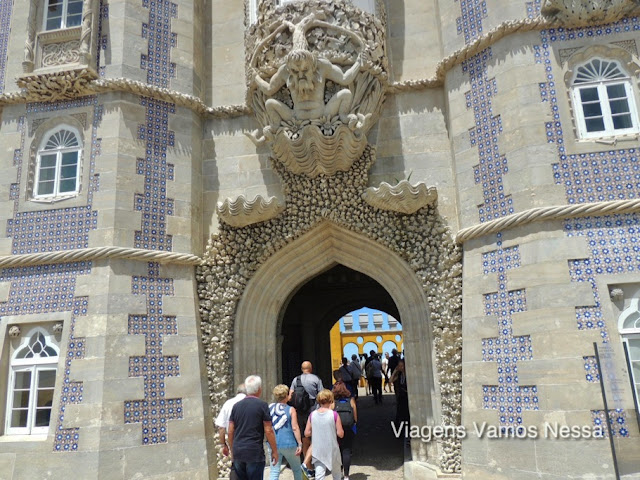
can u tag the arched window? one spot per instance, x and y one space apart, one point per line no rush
57 169
603 99
32 380
62 14
629 325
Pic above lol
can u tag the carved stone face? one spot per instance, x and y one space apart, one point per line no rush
302 71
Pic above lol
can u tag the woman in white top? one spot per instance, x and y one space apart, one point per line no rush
324 426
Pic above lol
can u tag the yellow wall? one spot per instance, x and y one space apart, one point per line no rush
339 340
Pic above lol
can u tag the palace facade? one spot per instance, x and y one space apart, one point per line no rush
196 190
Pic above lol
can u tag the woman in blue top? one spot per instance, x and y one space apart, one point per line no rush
285 424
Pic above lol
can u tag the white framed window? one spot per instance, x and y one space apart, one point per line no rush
62 14
58 164
604 100
32 379
629 326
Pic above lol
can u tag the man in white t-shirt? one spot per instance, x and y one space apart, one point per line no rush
222 420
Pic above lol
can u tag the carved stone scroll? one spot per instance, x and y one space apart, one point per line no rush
61 53
317 73
402 198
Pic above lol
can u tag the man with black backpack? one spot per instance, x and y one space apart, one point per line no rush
305 388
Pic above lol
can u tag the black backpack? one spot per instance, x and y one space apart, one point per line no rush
300 400
346 414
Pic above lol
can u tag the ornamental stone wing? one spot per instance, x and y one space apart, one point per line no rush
317 73
241 212
403 197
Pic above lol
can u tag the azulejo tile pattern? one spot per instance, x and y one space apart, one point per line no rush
533 8
617 420
488 127
6 7
592 372
51 288
154 410
153 203
469 23
588 177
508 397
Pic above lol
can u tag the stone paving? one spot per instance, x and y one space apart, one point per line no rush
377 454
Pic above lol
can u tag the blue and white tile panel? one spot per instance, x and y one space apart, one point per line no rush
590 177
508 397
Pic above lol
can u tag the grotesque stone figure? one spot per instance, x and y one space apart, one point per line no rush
305 76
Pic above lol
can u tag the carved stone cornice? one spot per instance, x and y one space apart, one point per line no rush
580 13
241 212
56 85
402 198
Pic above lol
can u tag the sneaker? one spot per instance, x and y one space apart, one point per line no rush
306 472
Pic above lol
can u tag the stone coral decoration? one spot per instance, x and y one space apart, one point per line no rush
234 255
317 73
14 331
401 198
242 212
579 13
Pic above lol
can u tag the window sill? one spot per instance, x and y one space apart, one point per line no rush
23 438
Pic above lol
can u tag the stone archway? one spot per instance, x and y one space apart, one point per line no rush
269 291
249 275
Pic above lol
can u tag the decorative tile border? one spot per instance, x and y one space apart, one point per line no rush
617 420
508 397
590 177
154 410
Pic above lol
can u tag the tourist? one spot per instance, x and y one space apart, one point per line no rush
374 371
356 373
285 425
312 385
222 422
393 361
325 426
385 373
345 374
249 423
364 360
399 381
345 405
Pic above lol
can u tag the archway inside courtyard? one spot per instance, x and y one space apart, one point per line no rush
315 309
268 310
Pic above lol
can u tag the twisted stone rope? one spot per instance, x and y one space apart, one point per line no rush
231 111
97 253
468 51
596 209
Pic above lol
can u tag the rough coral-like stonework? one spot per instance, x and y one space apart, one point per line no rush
576 13
403 197
423 240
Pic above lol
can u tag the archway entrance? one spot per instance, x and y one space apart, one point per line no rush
264 305
314 310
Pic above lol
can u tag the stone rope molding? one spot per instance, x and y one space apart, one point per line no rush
98 253
231 111
596 209
466 234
